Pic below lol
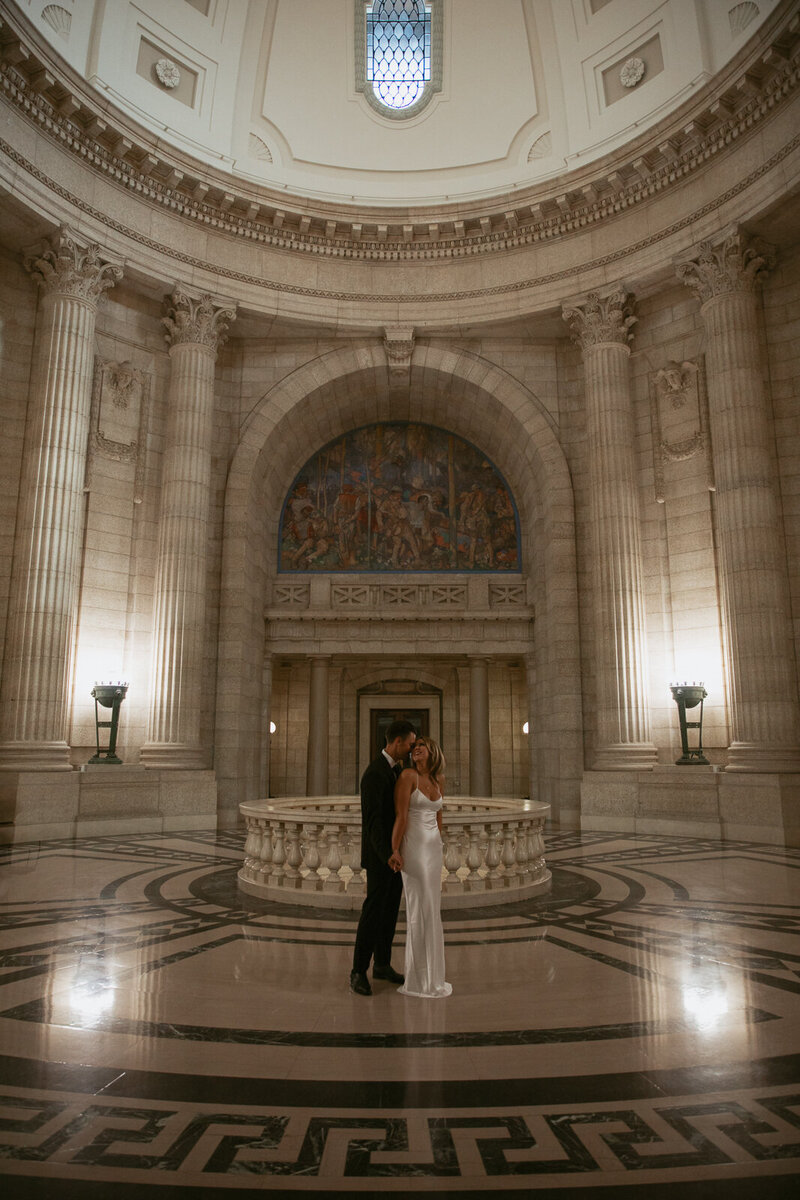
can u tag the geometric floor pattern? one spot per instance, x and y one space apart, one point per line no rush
634 1033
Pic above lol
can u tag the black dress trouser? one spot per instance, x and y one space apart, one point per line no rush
378 918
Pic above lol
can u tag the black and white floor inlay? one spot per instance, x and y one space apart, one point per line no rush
635 1031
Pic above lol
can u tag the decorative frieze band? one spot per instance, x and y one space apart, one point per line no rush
410 596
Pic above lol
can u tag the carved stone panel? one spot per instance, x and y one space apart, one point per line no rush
679 414
118 423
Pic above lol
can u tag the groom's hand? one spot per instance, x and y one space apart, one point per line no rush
395 861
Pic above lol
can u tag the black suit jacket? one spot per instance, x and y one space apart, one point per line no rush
377 814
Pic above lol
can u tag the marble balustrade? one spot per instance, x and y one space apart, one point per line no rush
304 850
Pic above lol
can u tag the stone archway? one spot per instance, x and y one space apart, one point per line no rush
349 387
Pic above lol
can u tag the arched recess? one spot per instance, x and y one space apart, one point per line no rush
347 388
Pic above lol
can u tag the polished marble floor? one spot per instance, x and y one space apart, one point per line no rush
634 1033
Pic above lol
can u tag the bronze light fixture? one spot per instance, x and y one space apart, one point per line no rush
107 695
689 695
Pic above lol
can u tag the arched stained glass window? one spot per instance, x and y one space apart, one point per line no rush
398 51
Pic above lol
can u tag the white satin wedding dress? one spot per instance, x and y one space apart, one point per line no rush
422 883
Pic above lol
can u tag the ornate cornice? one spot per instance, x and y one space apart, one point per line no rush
68 267
66 110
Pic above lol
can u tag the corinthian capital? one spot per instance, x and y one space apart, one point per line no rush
197 319
733 265
71 268
601 320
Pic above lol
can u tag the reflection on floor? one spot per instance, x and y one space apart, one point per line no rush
634 1032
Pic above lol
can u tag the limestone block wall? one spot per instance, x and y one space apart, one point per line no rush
17 323
677 510
290 708
782 323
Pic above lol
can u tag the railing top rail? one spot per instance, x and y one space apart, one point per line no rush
347 809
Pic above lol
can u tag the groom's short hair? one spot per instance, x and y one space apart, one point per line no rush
399 729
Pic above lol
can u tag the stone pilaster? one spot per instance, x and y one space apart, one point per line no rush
480 754
196 327
36 676
317 756
765 722
601 327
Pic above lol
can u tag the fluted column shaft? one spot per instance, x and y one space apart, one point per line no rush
480 753
765 721
195 330
317 756
37 667
601 328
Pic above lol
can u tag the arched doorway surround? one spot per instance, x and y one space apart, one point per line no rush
347 388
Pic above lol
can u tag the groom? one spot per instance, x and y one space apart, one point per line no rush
384 881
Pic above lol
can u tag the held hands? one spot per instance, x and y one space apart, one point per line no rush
396 861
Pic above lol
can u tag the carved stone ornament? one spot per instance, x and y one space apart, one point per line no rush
168 73
734 265
601 320
70 268
197 319
398 341
120 406
632 72
679 417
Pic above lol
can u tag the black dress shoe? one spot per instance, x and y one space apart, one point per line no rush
360 984
388 972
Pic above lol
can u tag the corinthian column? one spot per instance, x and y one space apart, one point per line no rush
601 327
44 595
195 329
763 689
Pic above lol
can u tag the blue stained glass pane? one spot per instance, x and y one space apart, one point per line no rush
398 51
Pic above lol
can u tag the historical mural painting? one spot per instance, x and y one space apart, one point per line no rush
399 497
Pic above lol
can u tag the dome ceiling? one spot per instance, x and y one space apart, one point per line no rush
273 90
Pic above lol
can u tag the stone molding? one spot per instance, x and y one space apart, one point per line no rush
736 264
197 320
63 108
601 320
679 386
69 267
398 342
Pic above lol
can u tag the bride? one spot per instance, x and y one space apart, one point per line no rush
417 852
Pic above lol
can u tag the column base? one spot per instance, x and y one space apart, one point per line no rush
172 756
626 756
707 802
759 759
34 756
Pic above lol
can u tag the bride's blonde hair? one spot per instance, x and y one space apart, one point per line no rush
436 763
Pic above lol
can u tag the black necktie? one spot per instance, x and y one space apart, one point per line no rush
397 768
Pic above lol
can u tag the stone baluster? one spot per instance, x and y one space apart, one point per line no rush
522 853
312 881
195 329
452 858
44 590
359 878
509 855
493 852
278 855
294 855
474 880
265 853
333 883
601 327
765 721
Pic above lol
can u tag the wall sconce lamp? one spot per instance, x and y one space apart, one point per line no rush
107 695
689 695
